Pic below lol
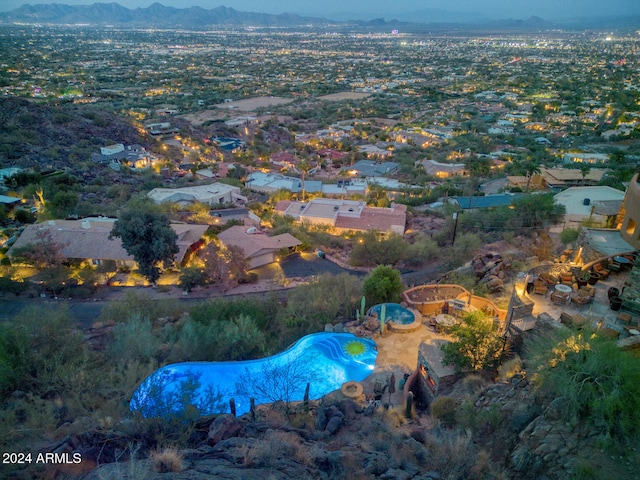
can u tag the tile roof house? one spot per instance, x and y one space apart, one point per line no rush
88 239
259 249
571 177
346 215
285 160
331 154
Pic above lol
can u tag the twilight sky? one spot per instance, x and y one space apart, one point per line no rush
367 9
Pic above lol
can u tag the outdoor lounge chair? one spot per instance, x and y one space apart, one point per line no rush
584 295
603 272
540 287
559 299
567 279
614 267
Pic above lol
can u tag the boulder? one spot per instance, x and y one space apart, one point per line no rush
350 409
333 424
224 427
372 324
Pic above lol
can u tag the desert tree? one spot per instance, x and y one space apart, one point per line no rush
149 238
43 252
478 344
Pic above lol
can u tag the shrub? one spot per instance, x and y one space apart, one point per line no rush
134 339
328 298
422 250
237 338
478 345
569 235
463 250
444 409
383 284
43 357
599 381
11 286
167 460
142 305
369 249
191 277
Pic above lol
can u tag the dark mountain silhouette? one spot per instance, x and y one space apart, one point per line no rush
198 17
155 14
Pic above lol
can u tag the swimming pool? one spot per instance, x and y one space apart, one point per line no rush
324 360
394 312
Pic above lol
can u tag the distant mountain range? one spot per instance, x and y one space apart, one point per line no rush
155 15
197 17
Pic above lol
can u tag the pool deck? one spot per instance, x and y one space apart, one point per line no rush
398 354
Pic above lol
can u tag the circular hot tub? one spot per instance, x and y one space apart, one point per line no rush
396 317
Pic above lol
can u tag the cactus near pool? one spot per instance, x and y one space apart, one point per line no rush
408 410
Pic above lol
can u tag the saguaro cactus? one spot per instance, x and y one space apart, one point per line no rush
408 410
306 397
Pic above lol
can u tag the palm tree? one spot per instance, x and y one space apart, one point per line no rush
584 170
343 173
530 168
303 167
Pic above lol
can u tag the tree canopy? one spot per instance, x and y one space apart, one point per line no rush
478 344
383 284
149 238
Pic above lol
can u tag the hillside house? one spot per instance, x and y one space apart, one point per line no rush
88 240
258 248
211 194
368 168
444 170
590 158
346 215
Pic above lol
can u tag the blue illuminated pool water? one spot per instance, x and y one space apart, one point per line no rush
394 312
324 360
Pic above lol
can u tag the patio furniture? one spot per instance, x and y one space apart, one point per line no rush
584 296
567 278
625 317
560 298
540 287
548 279
609 332
614 267
622 261
603 272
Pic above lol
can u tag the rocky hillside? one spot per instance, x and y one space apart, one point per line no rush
56 136
501 430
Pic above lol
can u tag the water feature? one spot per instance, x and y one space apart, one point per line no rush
395 313
324 360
